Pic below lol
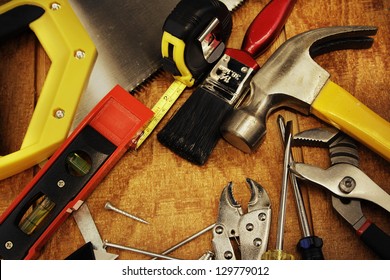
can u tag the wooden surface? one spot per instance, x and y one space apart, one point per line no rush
178 198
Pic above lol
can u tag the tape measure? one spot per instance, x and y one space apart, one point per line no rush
194 37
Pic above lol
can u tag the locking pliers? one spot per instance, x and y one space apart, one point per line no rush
250 230
347 183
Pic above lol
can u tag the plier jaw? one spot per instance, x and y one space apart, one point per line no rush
250 230
344 180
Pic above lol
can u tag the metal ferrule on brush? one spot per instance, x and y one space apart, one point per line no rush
228 80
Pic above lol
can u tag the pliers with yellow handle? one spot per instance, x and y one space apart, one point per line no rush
72 54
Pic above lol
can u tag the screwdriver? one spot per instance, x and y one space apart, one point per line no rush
309 245
278 253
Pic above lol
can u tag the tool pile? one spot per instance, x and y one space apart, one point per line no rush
231 96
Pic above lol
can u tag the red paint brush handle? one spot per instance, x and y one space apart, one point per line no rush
266 27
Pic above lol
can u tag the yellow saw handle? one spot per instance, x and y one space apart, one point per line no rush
339 108
72 54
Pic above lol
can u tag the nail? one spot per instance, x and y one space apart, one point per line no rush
109 206
107 244
187 240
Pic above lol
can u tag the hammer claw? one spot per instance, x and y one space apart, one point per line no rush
341 44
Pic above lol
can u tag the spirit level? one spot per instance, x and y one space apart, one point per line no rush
71 174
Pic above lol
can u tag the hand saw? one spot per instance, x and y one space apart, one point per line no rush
71 174
72 56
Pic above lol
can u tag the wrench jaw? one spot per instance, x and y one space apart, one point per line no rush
250 231
342 148
344 180
316 137
348 185
230 211
229 214
255 225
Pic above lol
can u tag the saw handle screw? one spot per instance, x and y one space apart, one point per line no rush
249 227
55 6
59 113
257 242
79 54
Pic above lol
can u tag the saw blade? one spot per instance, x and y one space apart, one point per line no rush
127 42
232 4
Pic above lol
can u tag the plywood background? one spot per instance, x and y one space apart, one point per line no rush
178 198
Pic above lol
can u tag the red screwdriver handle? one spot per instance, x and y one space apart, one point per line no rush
266 27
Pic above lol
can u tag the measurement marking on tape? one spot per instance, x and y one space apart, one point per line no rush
161 108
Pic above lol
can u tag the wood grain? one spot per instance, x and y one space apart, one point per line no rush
178 198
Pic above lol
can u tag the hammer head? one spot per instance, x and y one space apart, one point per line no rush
290 78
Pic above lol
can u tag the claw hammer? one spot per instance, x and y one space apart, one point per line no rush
291 78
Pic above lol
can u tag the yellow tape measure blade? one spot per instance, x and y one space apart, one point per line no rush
162 107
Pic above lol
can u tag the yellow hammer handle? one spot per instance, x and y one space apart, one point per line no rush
339 108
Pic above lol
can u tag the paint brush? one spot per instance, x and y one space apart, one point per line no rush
193 131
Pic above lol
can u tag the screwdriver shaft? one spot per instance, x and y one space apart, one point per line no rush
283 194
278 253
310 246
297 192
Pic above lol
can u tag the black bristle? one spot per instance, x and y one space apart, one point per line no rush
193 131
